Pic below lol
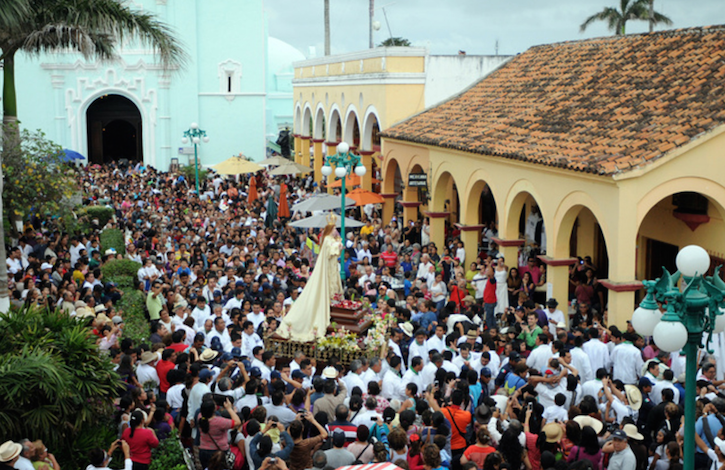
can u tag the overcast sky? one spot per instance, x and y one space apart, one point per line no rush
447 26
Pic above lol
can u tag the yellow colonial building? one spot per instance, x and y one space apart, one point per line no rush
352 97
617 144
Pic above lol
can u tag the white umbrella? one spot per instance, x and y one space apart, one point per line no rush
274 161
322 202
290 168
319 221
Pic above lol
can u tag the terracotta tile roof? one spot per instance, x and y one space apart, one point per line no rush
600 106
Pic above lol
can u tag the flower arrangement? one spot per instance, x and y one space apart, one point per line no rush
378 332
339 301
340 339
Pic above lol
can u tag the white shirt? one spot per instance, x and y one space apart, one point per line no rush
174 397
416 349
627 363
436 343
365 417
555 413
23 463
581 362
539 357
223 337
391 386
256 319
147 373
409 377
479 283
656 394
232 303
592 388
557 315
427 375
354 380
249 342
200 316
598 353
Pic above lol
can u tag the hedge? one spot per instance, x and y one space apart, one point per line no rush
133 307
113 238
102 213
121 271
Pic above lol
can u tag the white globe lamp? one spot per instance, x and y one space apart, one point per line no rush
194 125
340 171
670 336
196 140
376 25
644 320
343 147
720 322
360 170
206 139
185 140
692 260
326 170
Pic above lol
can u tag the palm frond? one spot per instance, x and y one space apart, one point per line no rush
608 14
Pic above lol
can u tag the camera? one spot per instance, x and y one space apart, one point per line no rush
273 460
220 399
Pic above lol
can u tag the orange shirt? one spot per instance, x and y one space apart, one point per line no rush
459 419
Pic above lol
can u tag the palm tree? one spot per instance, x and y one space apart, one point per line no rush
628 10
93 28
395 42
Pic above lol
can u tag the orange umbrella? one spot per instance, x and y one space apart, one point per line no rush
252 190
350 181
283 210
362 197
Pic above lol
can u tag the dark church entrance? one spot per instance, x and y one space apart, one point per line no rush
114 130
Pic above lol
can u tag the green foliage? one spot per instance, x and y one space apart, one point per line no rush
133 306
113 238
395 42
169 455
101 213
54 383
36 178
73 222
121 271
630 10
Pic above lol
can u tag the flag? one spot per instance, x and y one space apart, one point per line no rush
313 246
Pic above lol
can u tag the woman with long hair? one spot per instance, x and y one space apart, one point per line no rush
512 451
513 285
587 448
140 440
213 430
527 285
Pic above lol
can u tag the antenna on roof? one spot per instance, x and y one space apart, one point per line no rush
496 47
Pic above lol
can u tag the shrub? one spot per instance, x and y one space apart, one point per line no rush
169 455
113 238
121 271
133 306
54 383
102 213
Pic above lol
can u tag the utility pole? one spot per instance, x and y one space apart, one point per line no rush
327 27
370 25
651 15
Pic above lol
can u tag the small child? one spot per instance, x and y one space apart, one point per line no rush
440 441
558 412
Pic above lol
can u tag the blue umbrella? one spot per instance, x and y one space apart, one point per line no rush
70 155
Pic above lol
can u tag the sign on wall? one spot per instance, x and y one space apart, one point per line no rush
418 180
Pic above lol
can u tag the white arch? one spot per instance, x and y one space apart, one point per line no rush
348 126
306 116
319 122
366 139
148 134
335 116
298 118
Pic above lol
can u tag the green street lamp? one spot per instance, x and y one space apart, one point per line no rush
691 313
345 163
195 135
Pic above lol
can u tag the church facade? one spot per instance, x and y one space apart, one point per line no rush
236 84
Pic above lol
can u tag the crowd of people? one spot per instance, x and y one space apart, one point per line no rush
480 372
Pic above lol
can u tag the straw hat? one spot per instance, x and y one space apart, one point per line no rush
634 396
593 423
407 328
147 357
553 432
9 450
208 355
631 431
329 372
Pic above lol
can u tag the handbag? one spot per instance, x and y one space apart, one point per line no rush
229 456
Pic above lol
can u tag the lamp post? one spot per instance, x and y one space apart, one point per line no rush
195 135
345 163
692 312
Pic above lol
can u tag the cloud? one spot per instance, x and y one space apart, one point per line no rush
446 27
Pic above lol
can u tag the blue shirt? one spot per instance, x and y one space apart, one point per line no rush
406 286
427 318
715 426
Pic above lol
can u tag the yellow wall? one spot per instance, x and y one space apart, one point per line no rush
627 206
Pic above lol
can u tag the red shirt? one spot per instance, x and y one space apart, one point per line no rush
178 347
140 444
489 292
390 258
162 369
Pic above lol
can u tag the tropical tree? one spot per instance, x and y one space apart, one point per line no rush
93 28
395 42
629 10
54 383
